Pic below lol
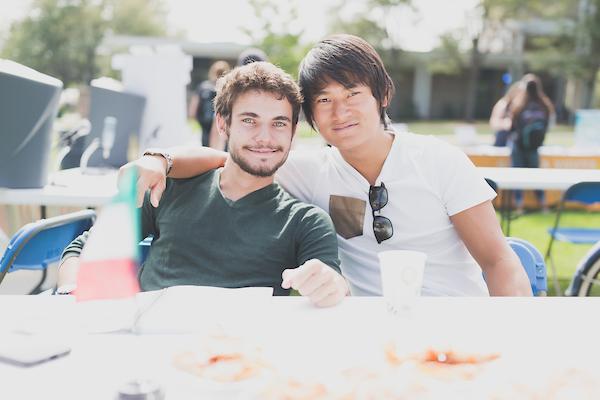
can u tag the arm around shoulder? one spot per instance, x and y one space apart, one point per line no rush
187 161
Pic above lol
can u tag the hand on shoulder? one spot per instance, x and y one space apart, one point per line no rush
152 175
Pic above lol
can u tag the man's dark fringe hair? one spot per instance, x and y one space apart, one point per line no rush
261 76
347 60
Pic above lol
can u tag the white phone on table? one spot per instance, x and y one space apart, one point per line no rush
33 353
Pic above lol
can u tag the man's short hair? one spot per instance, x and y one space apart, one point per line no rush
347 60
261 76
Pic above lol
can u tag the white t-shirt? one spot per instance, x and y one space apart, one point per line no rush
427 180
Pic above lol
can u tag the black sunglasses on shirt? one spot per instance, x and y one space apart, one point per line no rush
382 226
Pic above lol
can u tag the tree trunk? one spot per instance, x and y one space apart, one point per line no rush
472 82
590 83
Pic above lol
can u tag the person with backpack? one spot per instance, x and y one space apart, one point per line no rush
201 104
531 114
501 116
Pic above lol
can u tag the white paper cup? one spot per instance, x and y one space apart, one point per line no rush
401 277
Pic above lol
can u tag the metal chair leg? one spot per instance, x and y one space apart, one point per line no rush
555 281
38 288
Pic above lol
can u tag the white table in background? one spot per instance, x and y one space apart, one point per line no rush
538 178
509 179
66 188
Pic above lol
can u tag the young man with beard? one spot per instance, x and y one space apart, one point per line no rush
235 227
383 190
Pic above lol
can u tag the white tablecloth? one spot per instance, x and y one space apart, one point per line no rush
306 342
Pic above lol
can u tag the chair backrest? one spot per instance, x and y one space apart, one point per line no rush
533 262
492 184
583 192
145 248
42 242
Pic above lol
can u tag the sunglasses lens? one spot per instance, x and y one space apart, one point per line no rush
378 197
382 228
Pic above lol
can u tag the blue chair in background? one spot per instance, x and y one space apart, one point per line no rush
41 243
586 193
534 265
145 248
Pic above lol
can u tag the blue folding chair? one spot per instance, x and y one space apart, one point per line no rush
145 248
38 244
584 193
534 265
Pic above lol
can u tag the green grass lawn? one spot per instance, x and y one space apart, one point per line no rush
533 227
446 127
557 135
561 135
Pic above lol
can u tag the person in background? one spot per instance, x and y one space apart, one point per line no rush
501 117
246 57
251 55
201 104
532 112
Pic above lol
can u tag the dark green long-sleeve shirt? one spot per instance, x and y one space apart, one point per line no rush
202 238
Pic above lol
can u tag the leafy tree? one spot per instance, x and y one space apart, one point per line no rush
137 17
375 21
587 48
60 37
466 48
276 35
573 51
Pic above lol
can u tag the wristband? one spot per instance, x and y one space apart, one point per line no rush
163 154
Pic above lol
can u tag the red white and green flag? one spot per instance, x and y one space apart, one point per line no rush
110 257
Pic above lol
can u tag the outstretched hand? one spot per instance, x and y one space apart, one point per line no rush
317 281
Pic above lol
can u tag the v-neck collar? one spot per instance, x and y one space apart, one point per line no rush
361 180
256 197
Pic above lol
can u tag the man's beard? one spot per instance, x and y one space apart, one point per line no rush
262 172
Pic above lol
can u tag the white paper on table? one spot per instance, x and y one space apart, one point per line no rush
177 309
106 316
193 309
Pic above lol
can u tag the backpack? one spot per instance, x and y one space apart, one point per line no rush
531 126
205 112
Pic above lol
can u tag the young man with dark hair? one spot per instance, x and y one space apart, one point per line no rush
383 190
235 227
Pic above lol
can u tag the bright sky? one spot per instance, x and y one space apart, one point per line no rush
219 21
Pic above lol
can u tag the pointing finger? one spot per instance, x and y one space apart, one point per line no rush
287 275
304 272
156 193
